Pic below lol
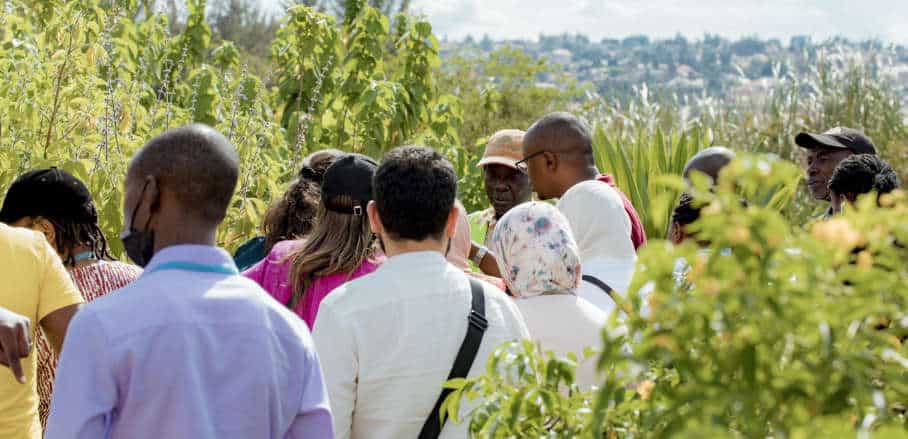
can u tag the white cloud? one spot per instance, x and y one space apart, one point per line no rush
855 19
884 19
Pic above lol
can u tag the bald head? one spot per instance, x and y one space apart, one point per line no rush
710 161
196 164
561 133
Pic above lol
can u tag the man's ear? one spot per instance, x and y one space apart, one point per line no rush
152 196
451 225
676 233
140 214
374 219
551 161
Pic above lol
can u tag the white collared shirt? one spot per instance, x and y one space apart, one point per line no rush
387 342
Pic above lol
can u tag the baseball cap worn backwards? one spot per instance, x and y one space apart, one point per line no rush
347 185
838 138
50 193
505 147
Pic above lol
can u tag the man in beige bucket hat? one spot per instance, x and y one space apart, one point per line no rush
506 185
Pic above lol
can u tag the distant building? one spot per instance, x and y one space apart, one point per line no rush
562 56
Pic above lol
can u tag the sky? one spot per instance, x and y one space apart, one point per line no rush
886 20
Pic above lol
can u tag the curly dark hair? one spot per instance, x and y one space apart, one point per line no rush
293 215
414 190
685 212
70 234
863 173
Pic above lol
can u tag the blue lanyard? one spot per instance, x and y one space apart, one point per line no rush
228 268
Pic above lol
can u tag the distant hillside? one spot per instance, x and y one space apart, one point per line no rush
715 65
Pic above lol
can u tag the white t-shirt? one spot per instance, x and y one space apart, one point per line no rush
617 275
566 323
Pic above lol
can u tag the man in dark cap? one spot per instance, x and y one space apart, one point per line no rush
558 154
191 349
825 151
709 161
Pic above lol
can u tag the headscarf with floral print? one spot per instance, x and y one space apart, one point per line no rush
536 251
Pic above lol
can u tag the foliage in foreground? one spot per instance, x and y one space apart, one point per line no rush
775 331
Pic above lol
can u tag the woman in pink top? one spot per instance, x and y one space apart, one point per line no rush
340 247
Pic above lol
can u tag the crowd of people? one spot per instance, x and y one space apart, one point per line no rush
369 289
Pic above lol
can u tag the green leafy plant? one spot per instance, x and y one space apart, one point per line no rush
774 331
90 82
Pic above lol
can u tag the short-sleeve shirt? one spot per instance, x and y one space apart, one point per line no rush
35 284
482 224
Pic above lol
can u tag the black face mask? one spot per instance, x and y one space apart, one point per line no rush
139 244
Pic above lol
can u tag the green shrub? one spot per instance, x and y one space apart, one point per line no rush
88 84
776 331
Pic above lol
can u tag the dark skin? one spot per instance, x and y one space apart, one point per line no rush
15 341
506 187
13 337
559 154
821 164
553 172
160 210
162 193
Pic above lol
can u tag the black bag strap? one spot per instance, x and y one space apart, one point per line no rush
602 285
622 304
465 356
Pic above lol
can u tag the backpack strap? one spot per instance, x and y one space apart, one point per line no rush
621 303
602 285
476 328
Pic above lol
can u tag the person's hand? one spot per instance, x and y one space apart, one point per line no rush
15 341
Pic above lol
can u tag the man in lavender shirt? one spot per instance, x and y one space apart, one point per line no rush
192 349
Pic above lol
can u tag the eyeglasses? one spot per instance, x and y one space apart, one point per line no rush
522 165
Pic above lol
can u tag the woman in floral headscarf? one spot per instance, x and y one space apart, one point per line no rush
540 263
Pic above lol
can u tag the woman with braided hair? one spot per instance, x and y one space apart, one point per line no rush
59 205
293 215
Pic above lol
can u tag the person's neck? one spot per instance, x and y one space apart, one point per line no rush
581 175
77 250
185 234
396 248
498 216
589 173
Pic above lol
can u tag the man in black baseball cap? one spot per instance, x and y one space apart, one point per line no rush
825 151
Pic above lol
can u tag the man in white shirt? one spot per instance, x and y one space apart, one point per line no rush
388 340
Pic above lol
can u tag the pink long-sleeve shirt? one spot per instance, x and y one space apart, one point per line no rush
273 274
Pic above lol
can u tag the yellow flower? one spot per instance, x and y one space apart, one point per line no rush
838 232
710 287
739 235
865 259
645 389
